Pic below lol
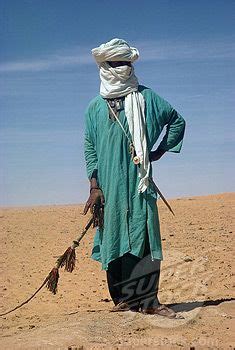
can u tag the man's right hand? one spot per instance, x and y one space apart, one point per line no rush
96 198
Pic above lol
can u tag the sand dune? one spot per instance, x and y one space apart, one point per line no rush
196 277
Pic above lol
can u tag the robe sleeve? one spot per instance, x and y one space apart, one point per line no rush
175 126
89 145
173 138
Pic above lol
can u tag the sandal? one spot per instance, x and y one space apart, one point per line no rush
122 306
161 310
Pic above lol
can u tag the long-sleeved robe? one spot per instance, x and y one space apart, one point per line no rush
127 214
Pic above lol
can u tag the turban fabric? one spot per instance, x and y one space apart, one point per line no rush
121 81
115 50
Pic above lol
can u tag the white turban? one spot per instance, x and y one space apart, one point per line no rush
121 81
115 50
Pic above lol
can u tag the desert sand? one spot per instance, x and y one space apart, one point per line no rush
196 279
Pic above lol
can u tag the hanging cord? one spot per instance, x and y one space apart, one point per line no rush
131 144
115 116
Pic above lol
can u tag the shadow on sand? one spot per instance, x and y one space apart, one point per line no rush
191 305
177 307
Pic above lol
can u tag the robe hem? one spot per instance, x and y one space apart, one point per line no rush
156 255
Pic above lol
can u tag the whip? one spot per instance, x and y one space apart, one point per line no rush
66 260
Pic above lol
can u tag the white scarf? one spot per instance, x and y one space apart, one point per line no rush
121 81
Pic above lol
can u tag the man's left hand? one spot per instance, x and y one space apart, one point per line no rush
156 155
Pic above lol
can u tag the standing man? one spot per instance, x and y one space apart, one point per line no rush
123 124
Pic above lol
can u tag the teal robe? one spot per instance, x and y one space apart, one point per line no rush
127 214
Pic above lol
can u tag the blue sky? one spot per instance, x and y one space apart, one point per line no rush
48 76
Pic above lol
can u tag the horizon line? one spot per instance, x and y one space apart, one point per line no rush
31 206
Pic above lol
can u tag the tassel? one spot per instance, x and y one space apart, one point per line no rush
52 281
68 259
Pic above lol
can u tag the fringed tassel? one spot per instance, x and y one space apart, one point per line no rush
52 281
68 259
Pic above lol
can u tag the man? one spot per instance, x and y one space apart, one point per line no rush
123 124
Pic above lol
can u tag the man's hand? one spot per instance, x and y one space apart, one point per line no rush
96 198
96 204
156 155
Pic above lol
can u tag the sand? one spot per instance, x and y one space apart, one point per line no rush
196 278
